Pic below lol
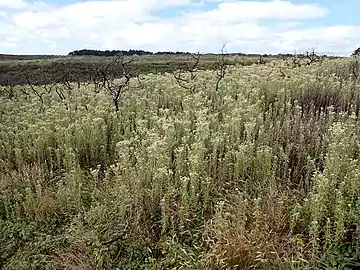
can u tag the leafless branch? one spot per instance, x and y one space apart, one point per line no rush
191 68
312 57
307 58
107 78
354 68
282 73
33 88
261 60
9 89
222 65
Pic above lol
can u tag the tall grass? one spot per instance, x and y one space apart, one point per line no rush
261 174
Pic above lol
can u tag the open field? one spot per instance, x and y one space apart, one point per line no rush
52 68
255 169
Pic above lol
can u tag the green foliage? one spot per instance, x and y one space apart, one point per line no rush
25 246
262 173
343 257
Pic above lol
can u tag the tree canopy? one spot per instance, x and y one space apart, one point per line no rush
356 52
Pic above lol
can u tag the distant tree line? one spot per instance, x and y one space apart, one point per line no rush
142 52
108 53
119 52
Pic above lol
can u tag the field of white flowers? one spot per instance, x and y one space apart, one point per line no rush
261 173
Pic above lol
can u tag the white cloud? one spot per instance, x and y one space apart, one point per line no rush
329 34
12 39
14 4
93 15
125 24
340 39
251 10
7 44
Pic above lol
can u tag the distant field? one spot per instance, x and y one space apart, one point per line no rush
12 57
48 69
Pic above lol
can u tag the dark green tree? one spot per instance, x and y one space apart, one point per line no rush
356 52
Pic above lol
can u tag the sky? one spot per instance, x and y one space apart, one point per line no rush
256 26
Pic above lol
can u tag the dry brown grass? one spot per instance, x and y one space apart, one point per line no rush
250 234
75 257
41 207
39 201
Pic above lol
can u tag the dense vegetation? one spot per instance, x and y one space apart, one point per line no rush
259 172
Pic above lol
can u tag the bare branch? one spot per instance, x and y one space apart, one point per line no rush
191 68
9 89
108 76
354 68
32 88
261 60
221 69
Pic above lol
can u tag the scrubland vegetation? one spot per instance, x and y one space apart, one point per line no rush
258 170
42 70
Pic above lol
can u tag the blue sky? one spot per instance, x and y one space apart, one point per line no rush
257 26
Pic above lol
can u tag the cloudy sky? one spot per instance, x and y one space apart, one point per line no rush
61 26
